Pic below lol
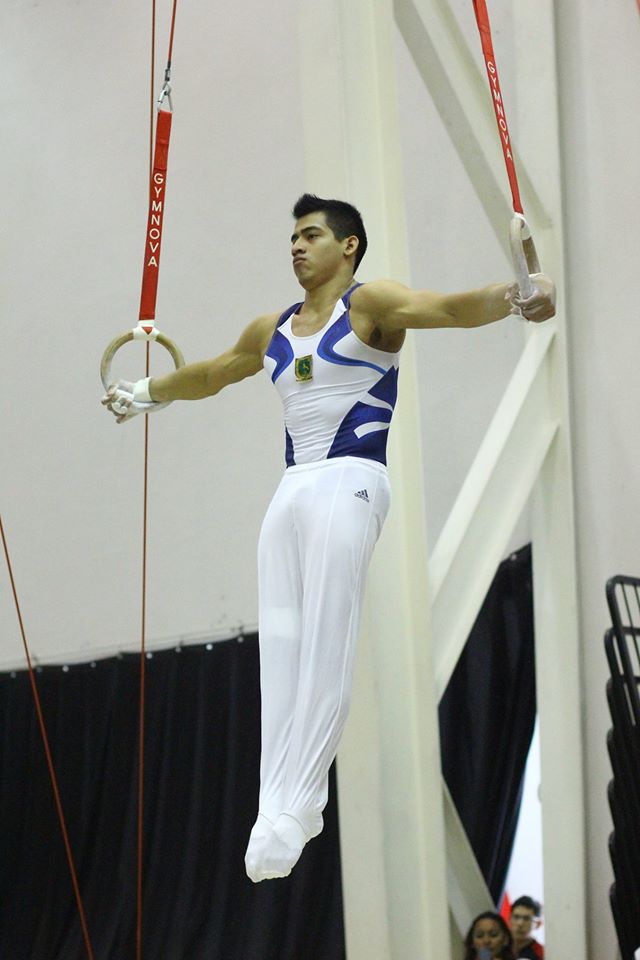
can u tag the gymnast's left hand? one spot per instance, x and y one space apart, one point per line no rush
120 401
541 305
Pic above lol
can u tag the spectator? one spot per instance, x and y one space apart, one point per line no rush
525 917
489 938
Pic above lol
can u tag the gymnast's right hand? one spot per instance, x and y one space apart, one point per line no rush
126 400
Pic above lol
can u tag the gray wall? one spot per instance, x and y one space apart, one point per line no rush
74 166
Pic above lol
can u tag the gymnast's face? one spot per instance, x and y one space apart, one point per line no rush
317 255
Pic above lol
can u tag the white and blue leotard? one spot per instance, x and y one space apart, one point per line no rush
338 393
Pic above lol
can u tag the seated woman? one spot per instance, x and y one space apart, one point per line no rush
489 938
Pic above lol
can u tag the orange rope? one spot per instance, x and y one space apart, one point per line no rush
47 750
173 26
141 708
139 884
145 497
152 88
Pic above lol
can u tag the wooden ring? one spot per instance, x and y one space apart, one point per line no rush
114 346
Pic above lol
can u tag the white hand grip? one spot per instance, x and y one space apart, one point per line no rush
527 262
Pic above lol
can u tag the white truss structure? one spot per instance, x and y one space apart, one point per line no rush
411 882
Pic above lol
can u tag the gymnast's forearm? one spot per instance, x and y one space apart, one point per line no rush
479 307
191 382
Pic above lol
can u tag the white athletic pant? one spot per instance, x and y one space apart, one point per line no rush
314 550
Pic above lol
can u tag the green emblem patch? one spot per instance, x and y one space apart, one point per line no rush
304 368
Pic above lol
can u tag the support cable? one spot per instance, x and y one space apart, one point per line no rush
47 750
158 157
145 500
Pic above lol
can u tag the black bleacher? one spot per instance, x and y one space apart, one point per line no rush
622 648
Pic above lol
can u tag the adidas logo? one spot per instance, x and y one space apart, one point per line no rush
362 495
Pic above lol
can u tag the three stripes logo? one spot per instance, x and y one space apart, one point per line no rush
362 495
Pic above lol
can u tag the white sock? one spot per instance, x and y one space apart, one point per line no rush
276 856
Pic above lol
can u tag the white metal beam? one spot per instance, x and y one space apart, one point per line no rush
407 698
389 761
554 564
496 489
468 552
361 807
361 813
560 708
467 891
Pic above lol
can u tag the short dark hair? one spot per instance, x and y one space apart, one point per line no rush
507 951
529 904
342 219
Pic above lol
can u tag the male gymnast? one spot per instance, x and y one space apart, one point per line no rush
334 360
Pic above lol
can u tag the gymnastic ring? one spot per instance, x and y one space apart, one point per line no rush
138 334
523 254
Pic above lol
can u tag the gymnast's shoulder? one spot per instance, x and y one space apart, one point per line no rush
256 335
393 305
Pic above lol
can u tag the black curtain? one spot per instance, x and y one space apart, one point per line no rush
202 767
487 716
202 764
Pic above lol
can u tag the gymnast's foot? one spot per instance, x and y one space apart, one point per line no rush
262 830
275 855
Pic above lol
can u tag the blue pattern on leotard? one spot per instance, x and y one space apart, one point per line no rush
372 445
288 452
279 348
281 351
336 332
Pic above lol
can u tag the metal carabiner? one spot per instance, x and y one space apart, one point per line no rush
165 92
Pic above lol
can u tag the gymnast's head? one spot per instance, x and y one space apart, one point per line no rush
328 240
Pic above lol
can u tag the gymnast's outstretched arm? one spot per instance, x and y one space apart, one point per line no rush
208 377
397 307
197 380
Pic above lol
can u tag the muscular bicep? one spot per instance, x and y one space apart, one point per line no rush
245 358
396 307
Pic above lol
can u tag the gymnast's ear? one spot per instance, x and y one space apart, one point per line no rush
351 245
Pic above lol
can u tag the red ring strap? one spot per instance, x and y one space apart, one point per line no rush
155 218
484 26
